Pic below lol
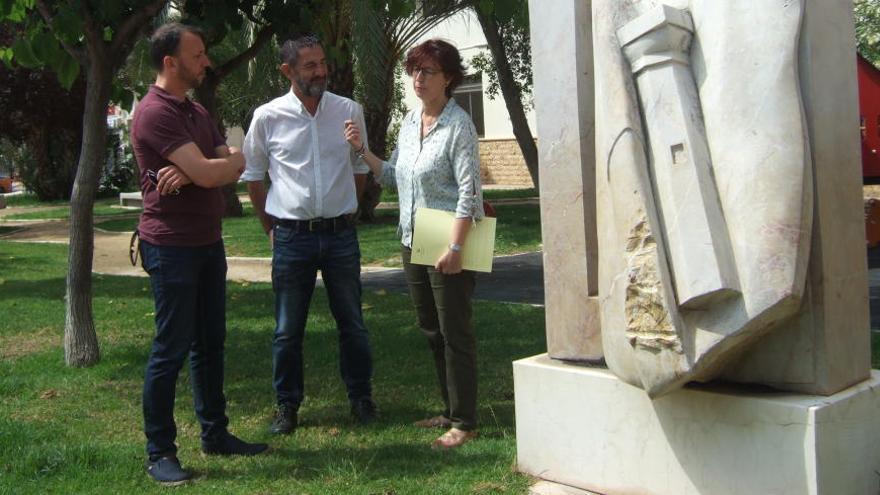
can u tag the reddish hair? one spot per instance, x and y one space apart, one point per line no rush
442 52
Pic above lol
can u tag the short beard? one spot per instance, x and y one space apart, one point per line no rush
311 90
192 80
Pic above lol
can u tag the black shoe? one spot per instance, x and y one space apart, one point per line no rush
285 420
364 410
229 444
167 470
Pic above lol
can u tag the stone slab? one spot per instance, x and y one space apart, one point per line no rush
826 347
584 427
566 123
550 488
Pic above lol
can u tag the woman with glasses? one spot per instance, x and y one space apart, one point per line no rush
436 165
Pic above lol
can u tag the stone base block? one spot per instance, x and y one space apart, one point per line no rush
544 487
585 428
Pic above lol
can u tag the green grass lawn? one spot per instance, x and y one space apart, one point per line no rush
30 199
68 430
105 207
518 231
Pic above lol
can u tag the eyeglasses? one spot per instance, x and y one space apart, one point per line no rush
134 248
154 179
424 71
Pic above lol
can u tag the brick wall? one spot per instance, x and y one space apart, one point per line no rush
501 163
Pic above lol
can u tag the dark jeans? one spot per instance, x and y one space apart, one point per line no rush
189 288
443 307
297 256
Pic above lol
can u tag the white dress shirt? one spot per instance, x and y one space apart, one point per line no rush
310 163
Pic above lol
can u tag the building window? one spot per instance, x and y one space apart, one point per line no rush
469 95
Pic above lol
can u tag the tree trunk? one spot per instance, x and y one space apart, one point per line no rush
338 38
206 93
80 339
512 96
377 119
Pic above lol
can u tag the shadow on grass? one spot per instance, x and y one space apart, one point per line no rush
79 430
374 463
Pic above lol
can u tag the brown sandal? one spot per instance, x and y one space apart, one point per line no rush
453 438
435 422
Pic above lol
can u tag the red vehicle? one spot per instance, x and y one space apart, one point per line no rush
869 108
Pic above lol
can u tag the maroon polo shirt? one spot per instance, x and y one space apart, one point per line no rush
162 123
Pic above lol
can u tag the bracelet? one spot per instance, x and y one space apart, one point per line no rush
362 151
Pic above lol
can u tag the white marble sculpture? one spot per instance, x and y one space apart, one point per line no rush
704 183
702 218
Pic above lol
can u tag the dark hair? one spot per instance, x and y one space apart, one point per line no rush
165 41
290 49
442 52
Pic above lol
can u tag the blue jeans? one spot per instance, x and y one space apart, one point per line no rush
297 257
189 288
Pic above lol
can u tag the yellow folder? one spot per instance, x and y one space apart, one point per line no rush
431 240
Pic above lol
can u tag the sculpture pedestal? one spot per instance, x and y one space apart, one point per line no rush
583 427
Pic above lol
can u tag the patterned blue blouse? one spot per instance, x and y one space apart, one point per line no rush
440 172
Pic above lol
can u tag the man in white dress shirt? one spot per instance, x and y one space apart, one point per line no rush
308 213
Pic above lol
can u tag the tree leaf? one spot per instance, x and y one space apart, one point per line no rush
24 54
67 25
400 8
45 48
67 71
6 56
5 8
505 10
486 6
15 10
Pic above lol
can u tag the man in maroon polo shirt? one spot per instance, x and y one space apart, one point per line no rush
183 162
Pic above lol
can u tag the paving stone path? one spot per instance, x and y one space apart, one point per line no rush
516 279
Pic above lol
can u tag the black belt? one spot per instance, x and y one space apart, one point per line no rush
317 224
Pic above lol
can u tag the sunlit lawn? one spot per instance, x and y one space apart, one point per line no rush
518 231
105 207
68 430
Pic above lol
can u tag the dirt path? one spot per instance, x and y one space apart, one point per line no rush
112 253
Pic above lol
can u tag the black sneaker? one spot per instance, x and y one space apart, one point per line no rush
167 470
364 410
229 444
285 420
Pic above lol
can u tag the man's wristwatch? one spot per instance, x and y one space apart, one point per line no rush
455 248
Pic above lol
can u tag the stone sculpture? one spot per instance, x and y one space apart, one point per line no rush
704 180
702 218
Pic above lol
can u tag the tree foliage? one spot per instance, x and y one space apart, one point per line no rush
96 37
250 86
44 119
513 28
867 16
